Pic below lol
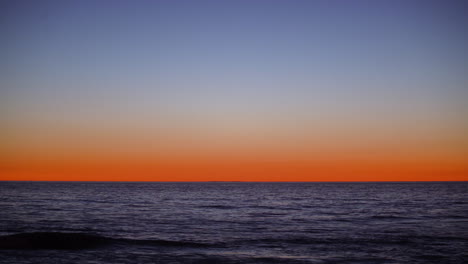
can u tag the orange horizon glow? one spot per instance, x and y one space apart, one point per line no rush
115 157
231 169
226 157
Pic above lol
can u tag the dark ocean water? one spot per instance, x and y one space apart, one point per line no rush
233 222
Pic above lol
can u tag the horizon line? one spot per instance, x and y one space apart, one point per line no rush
377 181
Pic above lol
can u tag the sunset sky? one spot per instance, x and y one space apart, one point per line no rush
234 90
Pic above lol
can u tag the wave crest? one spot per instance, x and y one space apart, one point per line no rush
61 240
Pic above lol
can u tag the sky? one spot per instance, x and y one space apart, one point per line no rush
174 90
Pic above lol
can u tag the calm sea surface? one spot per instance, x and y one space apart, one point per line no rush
233 222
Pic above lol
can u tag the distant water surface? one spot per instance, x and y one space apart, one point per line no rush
101 222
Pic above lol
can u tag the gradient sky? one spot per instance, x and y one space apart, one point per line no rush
234 90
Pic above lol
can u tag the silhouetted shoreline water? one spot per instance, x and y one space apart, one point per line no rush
233 222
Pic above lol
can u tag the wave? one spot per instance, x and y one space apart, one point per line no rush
218 207
390 217
322 241
74 241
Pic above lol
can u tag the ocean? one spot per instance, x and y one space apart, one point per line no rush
233 222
